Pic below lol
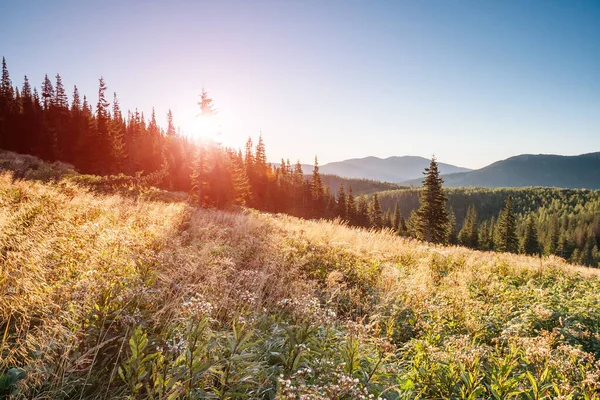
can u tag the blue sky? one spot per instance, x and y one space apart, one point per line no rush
471 81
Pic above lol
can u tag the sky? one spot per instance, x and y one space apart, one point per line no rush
472 82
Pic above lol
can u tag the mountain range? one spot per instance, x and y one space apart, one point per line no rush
582 171
391 169
574 172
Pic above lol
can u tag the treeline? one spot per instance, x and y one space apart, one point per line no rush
131 147
563 222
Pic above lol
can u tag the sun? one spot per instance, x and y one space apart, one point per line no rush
204 128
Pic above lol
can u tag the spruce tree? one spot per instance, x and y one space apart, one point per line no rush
117 137
530 243
362 212
375 215
469 234
317 191
351 207
553 237
507 229
341 203
452 237
396 219
431 218
47 93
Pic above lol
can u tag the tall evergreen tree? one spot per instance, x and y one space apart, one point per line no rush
507 229
553 237
7 111
431 217
342 206
396 218
469 234
452 237
351 207
375 214
530 243
317 191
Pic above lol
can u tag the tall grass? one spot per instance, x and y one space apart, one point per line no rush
112 296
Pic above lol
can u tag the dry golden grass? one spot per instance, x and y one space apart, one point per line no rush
80 271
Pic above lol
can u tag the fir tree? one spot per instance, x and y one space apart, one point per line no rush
530 243
117 137
375 215
452 237
342 205
47 93
317 190
60 96
507 234
431 218
396 218
553 237
5 83
469 234
351 207
362 212
170 126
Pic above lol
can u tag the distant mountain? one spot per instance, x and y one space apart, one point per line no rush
391 169
548 170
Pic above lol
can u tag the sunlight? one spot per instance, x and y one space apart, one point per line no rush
204 128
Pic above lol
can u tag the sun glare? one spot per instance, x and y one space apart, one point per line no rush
204 128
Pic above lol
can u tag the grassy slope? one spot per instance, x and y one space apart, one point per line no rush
103 296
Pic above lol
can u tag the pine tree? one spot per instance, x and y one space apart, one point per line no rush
375 215
469 234
240 182
553 237
60 96
100 151
47 93
396 219
117 137
586 256
431 218
9 110
351 207
484 235
6 90
317 191
362 212
170 125
298 192
342 205
206 105
507 229
403 227
530 243
452 237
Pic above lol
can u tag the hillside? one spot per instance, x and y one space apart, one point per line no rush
359 186
581 171
113 296
567 221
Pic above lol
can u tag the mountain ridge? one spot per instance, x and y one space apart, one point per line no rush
391 169
548 170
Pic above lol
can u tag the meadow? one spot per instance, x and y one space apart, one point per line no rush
137 294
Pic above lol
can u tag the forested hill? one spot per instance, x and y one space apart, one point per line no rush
359 185
581 172
567 221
